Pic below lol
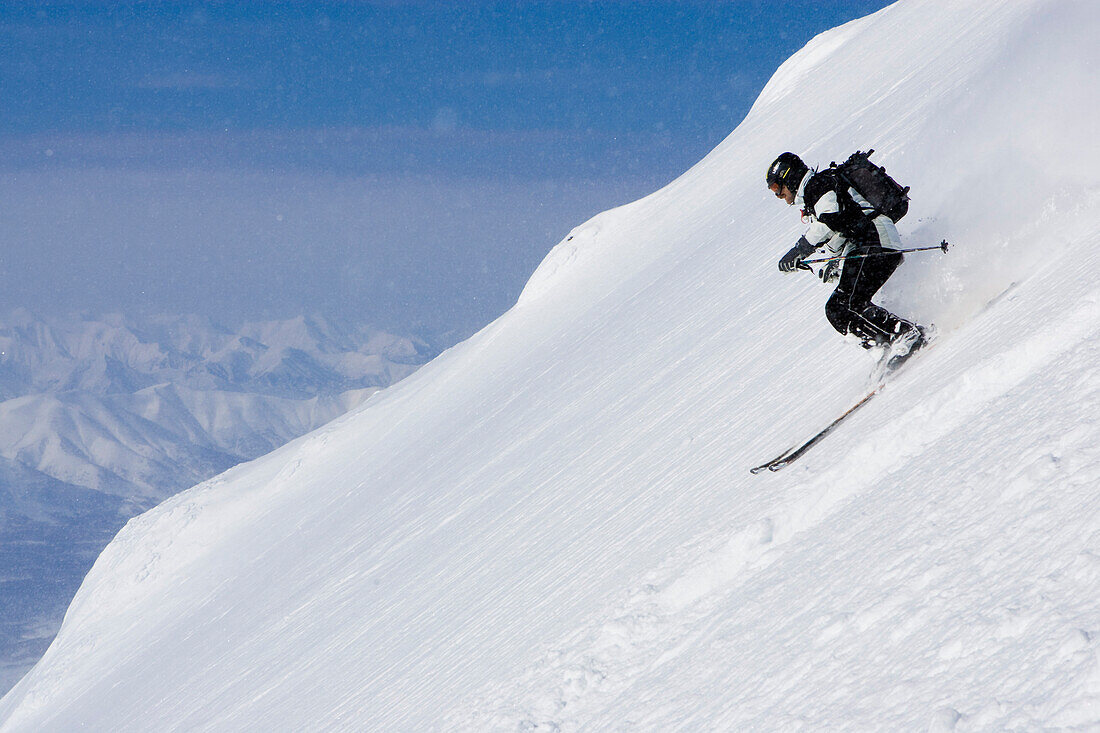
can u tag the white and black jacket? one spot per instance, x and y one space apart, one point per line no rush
840 218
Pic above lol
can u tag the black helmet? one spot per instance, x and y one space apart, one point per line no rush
787 170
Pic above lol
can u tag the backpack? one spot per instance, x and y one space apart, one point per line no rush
872 182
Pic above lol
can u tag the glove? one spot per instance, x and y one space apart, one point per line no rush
797 253
830 273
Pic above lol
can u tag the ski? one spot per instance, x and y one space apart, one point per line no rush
890 368
790 456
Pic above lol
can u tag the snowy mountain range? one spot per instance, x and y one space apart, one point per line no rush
552 526
104 418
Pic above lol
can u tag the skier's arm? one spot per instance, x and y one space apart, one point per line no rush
825 211
824 207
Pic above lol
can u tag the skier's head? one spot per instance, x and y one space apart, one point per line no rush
784 176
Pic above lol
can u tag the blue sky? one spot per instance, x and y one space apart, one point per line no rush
402 163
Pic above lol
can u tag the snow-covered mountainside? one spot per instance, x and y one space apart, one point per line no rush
104 418
552 526
296 358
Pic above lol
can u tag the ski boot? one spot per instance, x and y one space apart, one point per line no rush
904 346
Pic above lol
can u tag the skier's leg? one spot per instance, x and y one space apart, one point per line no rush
838 311
849 309
905 335
878 320
874 325
865 276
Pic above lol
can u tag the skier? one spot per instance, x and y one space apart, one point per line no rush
842 224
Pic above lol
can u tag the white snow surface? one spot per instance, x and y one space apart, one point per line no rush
552 526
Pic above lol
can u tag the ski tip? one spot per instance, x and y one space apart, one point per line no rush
773 467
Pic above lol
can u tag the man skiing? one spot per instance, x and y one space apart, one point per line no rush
863 241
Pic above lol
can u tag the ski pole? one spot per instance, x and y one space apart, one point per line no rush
942 246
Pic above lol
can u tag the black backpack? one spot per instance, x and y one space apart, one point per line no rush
873 183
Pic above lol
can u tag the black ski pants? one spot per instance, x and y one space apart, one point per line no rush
850 309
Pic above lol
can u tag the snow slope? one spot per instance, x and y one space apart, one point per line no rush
552 525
